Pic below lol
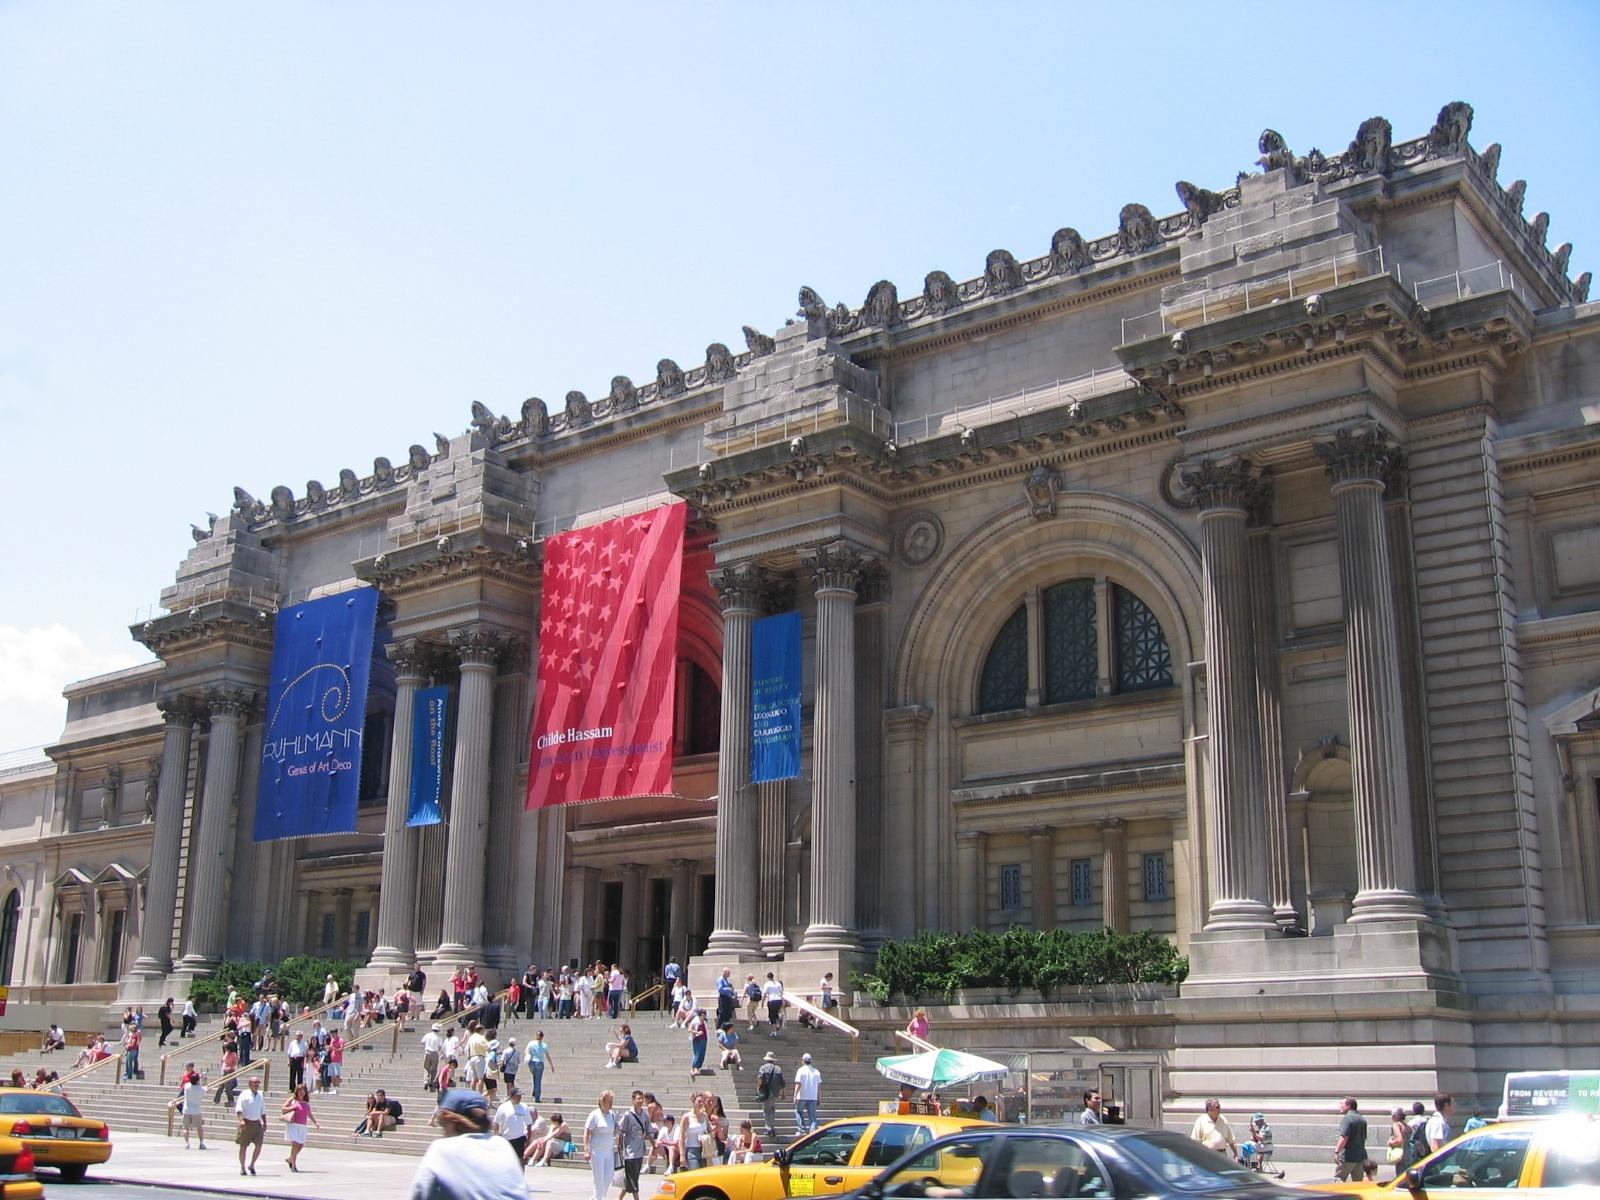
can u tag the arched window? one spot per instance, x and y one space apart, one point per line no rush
10 919
1004 682
1071 647
699 713
1144 660
1072 626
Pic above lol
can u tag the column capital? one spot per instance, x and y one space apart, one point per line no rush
837 566
970 837
1362 453
1226 483
1041 831
180 708
413 658
1113 825
746 585
234 702
478 645
682 864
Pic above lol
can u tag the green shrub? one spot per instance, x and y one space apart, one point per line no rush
300 980
936 963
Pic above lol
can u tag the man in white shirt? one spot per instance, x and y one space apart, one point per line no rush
773 991
251 1109
1439 1131
192 1105
1211 1130
432 1047
512 1121
807 1094
1091 1114
296 1050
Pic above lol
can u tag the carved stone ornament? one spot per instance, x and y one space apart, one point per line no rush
152 785
579 411
382 472
245 504
1561 257
283 503
180 710
1539 227
1001 273
1136 230
815 310
1489 161
758 343
1224 483
483 420
669 379
418 457
836 566
226 702
477 645
1370 150
1580 287
624 396
411 657
1357 454
1069 253
745 585
1198 202
316 494
1275 154
1450 128
441 444
1041 487
1516 194
349 485
719 364
938 293
919 539
535 417
882 307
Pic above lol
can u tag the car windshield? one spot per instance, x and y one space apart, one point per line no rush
1184 1164
39 1102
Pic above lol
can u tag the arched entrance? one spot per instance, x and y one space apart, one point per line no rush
10 922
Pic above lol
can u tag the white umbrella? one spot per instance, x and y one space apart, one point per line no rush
940 1068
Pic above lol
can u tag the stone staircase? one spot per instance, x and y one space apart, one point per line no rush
572 1085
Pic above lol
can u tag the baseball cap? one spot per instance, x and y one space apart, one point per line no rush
513 1041
436 1027
494 1043
769 1056
465 1102
805 1058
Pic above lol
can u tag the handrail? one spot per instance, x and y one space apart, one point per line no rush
71 1076
827 1018
913 1039
236 1073
188 1048
653 990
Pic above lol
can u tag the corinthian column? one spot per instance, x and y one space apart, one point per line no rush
161 890
462 931
1225 490
397 914
744 588
1357 461
208 866
835 572
1264 621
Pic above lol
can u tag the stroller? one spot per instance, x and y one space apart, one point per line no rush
1257 1152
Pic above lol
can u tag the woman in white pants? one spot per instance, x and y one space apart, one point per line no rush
600 1145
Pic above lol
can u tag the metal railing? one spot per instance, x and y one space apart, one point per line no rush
1474 281
851 412
912 1040
655 989
189 1047
265 1071
1196 308
823 1017
83 1072
1012 404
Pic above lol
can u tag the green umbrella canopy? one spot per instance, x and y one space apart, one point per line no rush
940 1068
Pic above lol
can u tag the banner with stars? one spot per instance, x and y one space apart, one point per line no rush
608 648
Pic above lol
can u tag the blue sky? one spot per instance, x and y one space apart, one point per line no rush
254 243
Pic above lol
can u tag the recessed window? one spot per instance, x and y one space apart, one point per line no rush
327 933
1082 883
1144 660
1004 683
363 928
1155 877
1071 654
1011 887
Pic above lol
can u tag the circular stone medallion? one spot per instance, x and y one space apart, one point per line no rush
920 536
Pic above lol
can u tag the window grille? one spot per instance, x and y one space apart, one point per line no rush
1082 883
1144 660
1004 683
1155 877
1011 887
1071 642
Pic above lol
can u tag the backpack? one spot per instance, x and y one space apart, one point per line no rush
769 1082
1419 1141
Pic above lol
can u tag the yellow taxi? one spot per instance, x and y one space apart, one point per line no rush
17 1180
1503 1159
55 1131
838 1157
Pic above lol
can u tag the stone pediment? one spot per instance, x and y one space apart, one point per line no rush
1580 717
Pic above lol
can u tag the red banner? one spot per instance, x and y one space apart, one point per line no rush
608 648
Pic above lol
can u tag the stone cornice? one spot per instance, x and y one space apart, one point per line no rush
467 554
224 620
1167 774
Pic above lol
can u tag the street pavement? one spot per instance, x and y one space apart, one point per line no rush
163 1167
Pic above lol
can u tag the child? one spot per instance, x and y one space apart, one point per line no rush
729 1041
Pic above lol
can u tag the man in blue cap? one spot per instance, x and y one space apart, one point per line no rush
469 1162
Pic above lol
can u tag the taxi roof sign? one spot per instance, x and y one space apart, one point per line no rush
1551 1094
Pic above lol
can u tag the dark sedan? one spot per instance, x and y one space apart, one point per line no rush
1095 1162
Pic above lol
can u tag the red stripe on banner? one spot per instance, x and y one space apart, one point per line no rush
608 642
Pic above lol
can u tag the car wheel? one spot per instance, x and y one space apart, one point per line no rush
705 1194
73 1173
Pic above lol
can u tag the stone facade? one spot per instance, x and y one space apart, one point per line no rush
1234 575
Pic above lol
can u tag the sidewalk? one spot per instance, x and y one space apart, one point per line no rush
323 1175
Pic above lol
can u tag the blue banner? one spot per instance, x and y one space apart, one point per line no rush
429 720
316 711
775 698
